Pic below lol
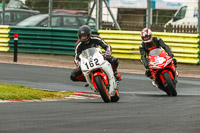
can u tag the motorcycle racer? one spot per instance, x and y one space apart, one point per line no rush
88 40
149 43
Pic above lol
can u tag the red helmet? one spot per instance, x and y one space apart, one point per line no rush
146 35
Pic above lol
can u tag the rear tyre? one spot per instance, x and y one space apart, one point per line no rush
170 88
102 89
116 97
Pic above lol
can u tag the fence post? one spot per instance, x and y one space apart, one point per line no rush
50 13
149 14
15 47
198 17
3 12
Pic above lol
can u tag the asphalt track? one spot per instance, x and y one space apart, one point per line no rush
142 108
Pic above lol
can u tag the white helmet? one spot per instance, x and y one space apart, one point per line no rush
146 35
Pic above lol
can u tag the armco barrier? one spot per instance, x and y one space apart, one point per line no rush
126 44
199 51
4 37
44 40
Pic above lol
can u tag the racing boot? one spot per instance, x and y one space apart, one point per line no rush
176 77
153 81
176 73
118 76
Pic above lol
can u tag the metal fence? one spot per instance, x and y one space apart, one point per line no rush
131 15
163 16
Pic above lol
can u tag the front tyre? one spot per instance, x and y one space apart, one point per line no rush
170 88
102 89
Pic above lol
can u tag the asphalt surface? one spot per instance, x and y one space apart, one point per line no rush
142 108
63 61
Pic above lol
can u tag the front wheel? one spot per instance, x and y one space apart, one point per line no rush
102 89
169 87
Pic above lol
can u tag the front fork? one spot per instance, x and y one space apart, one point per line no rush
170 74
103 75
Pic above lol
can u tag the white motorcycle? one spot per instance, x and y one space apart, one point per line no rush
99 74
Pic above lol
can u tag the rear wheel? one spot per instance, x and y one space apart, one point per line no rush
116 97
170 87
102 89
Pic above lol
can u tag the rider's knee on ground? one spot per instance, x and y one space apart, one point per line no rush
74 74
73 77
80 78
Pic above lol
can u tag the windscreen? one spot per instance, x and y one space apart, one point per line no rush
88 52
155 52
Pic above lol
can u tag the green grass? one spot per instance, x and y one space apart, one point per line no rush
19 92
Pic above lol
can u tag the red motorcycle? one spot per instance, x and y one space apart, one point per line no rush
163 71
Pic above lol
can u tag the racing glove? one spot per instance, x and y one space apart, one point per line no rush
108 53
172 55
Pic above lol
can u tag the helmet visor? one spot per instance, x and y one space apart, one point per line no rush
84 37
146 38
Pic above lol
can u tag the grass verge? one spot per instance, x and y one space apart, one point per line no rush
20 92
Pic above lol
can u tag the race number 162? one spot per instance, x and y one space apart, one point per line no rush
91 63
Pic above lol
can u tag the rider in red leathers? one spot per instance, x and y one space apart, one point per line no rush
87 40
149 43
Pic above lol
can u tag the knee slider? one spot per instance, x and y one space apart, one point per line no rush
73 77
